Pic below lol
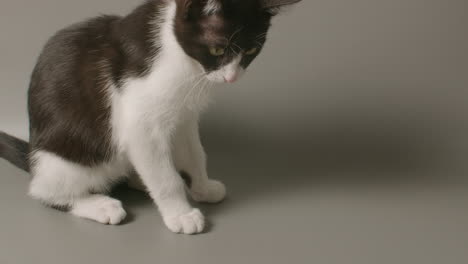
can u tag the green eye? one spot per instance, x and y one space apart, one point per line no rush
251 51
217 51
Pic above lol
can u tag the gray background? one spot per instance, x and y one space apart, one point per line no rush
345 143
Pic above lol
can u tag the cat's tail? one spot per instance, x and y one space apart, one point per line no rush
14 150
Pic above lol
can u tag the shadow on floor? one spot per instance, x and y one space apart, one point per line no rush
371 156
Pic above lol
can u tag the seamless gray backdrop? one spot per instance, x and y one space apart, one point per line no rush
346 141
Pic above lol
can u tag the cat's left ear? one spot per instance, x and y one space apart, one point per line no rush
274 6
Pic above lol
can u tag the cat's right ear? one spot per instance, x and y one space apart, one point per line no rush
274 6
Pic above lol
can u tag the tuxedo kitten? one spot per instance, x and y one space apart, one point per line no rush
115 95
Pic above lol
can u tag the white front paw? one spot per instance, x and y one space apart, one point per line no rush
212 192
189 223
101 209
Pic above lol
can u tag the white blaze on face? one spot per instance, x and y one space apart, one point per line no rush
229 73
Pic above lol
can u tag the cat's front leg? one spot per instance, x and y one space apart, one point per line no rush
150 152
191 161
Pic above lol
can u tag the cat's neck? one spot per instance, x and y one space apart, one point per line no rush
170 49
146 37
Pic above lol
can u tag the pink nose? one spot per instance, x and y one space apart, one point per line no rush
231 79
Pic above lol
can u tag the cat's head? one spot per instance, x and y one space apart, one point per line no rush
225 36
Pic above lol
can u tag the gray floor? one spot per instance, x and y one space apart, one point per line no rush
284 206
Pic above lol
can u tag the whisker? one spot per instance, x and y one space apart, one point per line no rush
260 45
234 34
190 93
191 90
237 46
188 79
233 51
202 90
261 35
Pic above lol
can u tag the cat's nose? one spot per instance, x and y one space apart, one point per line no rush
231 79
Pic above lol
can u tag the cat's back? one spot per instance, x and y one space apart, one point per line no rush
79 45
68 106
109 45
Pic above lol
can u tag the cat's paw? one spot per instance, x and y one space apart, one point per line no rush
101 209
212 192
189 223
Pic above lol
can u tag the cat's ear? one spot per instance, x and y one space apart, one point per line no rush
274 6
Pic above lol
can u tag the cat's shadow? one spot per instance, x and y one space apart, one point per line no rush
348 157
256 168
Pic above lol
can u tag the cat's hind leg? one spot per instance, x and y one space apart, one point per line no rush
75 188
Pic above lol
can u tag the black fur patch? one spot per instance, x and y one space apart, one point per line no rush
69 106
